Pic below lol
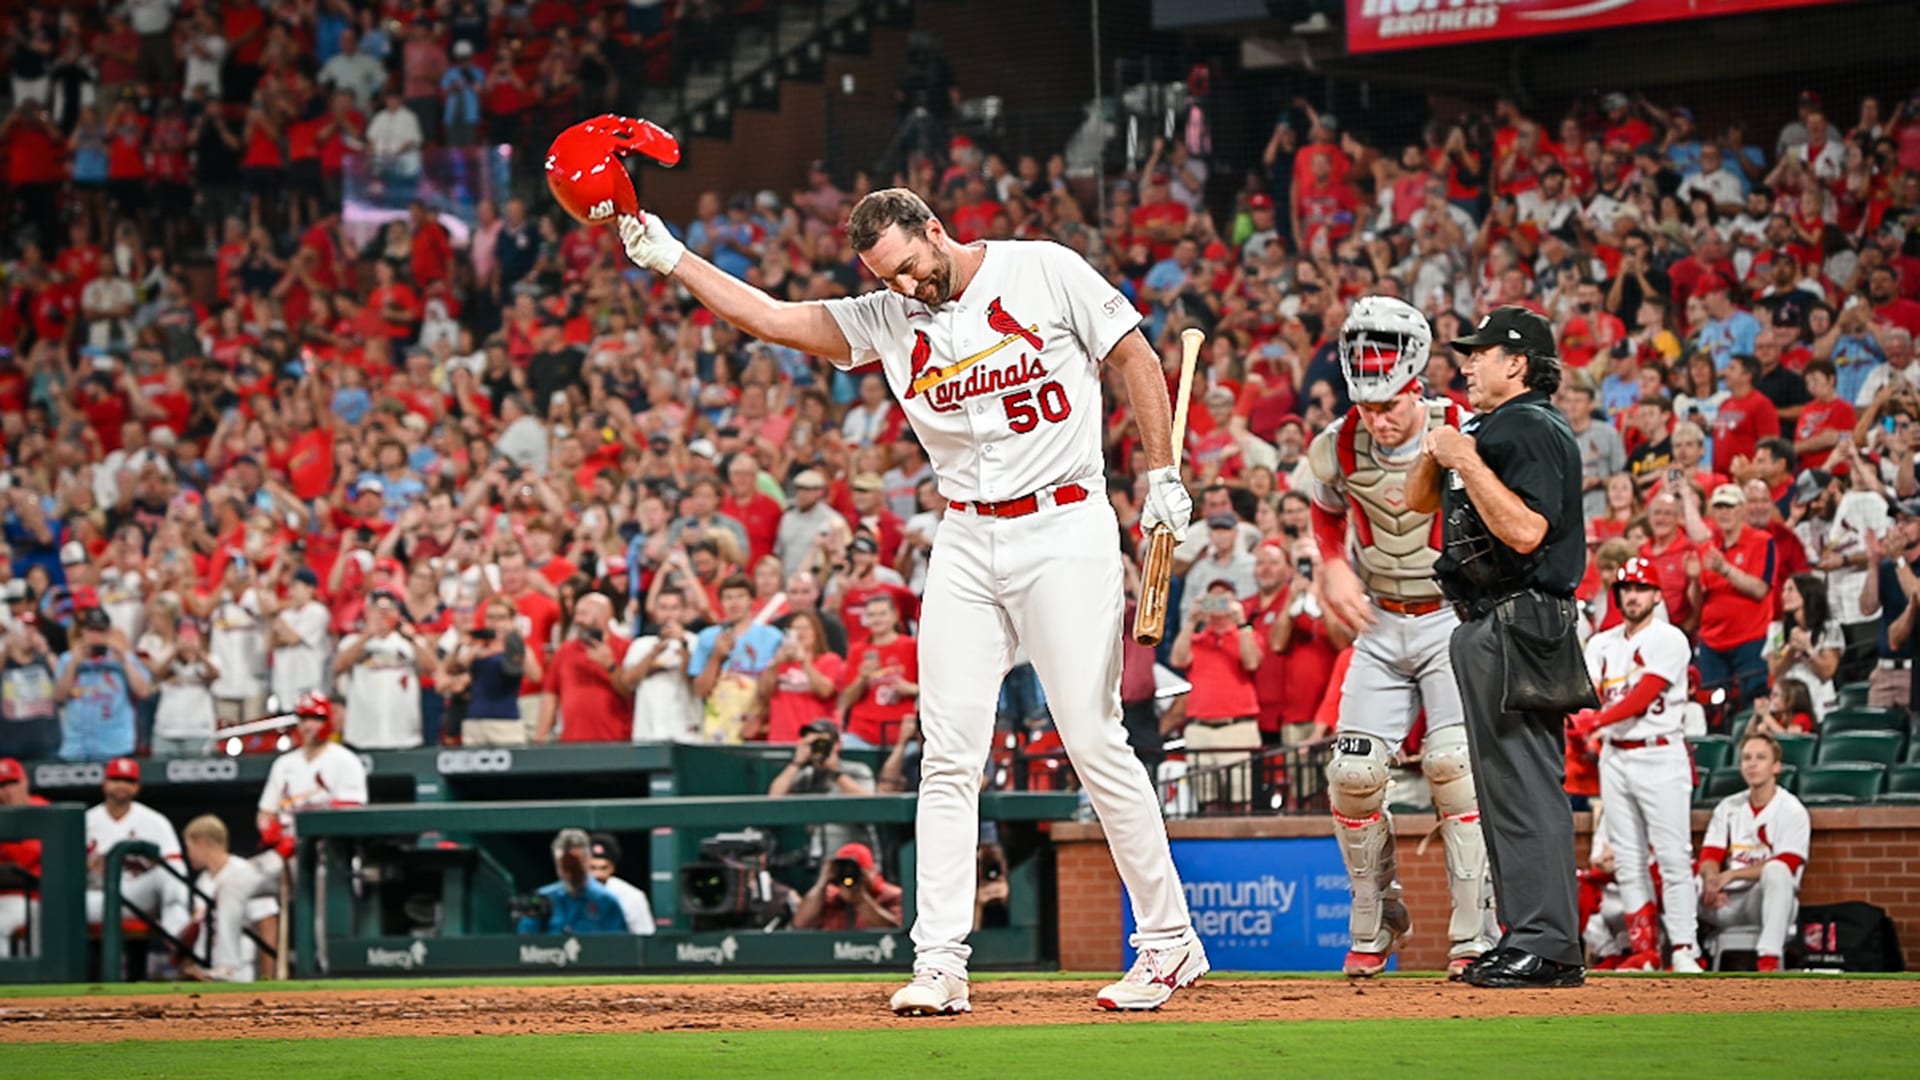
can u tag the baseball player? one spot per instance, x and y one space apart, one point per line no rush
119 817
1754 852
1639 668
317 773
1378 578
242 897
994 350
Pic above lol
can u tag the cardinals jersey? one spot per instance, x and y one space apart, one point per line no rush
1616 662
1002 384
383 696
1740 836
333 777
140 822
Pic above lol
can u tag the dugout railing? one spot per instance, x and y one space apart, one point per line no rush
113 939
1286 780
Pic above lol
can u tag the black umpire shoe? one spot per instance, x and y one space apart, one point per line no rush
1515 969
1480 963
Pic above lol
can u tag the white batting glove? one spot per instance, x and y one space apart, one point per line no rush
1167 503
649 244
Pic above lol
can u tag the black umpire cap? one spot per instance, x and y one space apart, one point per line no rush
1520 330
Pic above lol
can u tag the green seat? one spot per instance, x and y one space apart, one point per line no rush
1876 747
1903 784
1913 752
1848 782
1711 752
1842 721
1790 778
1719 784
1852 696
1797 750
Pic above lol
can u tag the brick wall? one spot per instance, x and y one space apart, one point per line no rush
1868 853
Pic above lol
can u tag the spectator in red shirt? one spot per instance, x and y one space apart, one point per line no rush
746 504
850 895
432 250
881 684
1729 580
1789 554
1592 328
1744 418
1324 208
1159 218
1220 653
1823 419
581 691
1298 643
1889 307
870 514
1670 551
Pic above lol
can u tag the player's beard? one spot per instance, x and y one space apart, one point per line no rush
940 282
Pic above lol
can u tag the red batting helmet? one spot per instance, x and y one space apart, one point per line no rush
1636 571
316 705
587 178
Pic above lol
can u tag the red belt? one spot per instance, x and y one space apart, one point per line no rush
1064 495
1638 744
1409 607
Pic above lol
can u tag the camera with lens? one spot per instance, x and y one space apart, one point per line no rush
1304 568
531 906
728 886
846 873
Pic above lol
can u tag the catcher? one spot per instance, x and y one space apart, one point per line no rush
1378 579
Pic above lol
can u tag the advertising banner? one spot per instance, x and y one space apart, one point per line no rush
1264 905
1383 25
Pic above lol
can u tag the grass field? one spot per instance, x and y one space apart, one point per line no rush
1854 1045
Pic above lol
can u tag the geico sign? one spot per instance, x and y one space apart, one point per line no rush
85 775
474 761
189 770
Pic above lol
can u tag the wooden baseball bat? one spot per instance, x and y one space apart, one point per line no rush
1156 571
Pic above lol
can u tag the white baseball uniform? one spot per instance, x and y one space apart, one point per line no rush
383 695
1002 385
242 896
334 777
1646 774
1401 664
1777 835
160 894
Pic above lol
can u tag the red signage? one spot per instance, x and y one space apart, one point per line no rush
1383 25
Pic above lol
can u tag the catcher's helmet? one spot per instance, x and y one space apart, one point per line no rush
1384 346
585 174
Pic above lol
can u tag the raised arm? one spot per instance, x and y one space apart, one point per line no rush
805 326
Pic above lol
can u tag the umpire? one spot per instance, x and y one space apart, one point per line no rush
1508 488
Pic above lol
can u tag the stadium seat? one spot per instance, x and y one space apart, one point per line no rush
1903 785
1720 784
1850 782
1852 696
1790 778
1913 752
1841 721
1711 752
1877 747
1797 750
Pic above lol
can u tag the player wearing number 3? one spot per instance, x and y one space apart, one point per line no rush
994 351
1639 668
1378 555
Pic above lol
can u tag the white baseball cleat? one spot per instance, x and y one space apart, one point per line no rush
1155 975
932 993
1685 962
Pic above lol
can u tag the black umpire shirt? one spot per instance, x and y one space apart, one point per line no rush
1529 445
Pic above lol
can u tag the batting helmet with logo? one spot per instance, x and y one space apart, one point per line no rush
585 174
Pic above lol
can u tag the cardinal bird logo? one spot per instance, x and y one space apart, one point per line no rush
922 353
998 320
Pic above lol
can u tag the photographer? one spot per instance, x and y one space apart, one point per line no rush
850 895
583 690
96 683
575 904
816 769
1219 653
483 673
655 671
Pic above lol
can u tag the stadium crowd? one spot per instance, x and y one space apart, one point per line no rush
522 491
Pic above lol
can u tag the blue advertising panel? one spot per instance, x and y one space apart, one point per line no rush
1263 905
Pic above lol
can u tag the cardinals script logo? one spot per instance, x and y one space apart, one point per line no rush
925 379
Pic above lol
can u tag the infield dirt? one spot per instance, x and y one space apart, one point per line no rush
525 1010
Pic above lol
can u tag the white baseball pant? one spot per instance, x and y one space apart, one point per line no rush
1770 904
1648 794
14 909
1051 581
161 895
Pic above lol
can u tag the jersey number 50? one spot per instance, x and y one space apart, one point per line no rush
1022 417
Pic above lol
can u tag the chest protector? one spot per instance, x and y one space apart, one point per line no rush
1393 546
